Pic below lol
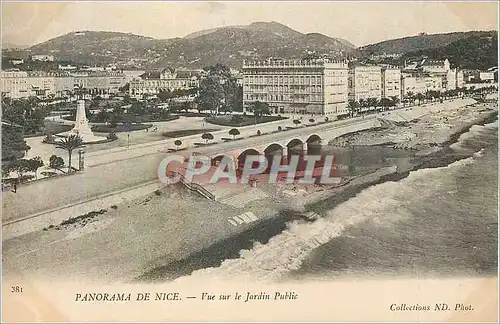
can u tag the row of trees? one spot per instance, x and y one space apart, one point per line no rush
26 113
410 98
355 106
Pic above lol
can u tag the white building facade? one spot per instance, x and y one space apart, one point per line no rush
300 87
365 82
14 84
391 82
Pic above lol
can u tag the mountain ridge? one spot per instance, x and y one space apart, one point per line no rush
227 44
231 45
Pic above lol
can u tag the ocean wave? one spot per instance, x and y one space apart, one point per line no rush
287 251
474 133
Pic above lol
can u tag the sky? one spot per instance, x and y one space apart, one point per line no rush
361 23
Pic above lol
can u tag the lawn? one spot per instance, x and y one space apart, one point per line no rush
241 120
119 128
187 132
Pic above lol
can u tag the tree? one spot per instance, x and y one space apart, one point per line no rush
420 97
137 108
69 144
410 96
207 137
260 109
219 88
395 101
353 106
258 132
211 94
280 128
56 162
13 144
385 103
25 113
311 120
362 103
234 132
20 167
102 116
178 143
35 163
186 105
372 102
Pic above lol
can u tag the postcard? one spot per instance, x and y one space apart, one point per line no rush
249 161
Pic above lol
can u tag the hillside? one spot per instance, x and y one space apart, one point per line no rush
419 43
232 45
229 45
474 52
94 47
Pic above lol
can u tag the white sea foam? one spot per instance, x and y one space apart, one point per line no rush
473 131
286 251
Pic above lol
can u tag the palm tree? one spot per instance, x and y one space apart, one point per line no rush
362 103
69 144
420 97
353 106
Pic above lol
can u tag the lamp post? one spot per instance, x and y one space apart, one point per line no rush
81 163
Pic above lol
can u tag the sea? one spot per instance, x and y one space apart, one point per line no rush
439 220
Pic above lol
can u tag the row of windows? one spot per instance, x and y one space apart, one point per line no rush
282 88
294 98
284 79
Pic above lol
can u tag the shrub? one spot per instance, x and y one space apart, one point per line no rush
48 173
234 132
26 177
280 128
178 143
56 162
49 138
112 136
258 132
207 137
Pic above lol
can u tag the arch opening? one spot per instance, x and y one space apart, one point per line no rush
243 155
314 144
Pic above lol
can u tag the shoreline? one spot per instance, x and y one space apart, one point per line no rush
319 201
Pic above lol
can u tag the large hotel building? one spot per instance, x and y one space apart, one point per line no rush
299 87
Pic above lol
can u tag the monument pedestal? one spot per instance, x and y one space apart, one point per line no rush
82 127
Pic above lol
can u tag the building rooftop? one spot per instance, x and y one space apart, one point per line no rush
48 74
427 62
291 63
